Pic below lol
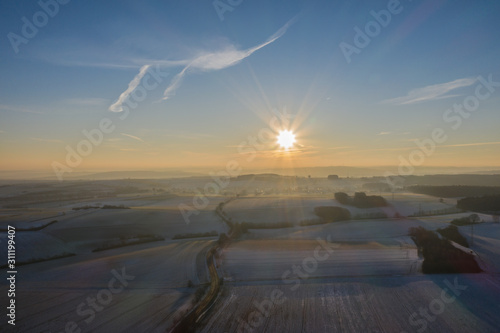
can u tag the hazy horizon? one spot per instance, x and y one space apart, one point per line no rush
316 172
166 94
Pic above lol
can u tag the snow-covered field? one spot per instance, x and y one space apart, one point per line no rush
51 294
370 282
411 203
424 303
258 260
293 209
350 276
274 209
82 231
486 244
48 294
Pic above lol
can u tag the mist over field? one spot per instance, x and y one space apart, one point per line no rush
258 245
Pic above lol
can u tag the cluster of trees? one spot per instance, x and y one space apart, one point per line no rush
115 207
480 204
440 256
361 200
129 240
451 232
86 207
332 213
466 220
237 229
212 233
223 239
455 191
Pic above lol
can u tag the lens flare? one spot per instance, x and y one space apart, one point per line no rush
286 139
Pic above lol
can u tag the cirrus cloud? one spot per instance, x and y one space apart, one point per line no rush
203 62
432 92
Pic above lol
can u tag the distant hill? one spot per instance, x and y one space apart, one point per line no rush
448 180
133 175
260 177
357 172
318 172
341 171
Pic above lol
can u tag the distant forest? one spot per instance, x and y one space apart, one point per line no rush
360 200
480 204
448 180
455 191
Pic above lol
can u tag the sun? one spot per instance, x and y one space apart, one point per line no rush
286 139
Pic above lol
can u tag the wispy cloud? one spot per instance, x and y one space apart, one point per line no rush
176 82
473 144
205 61
393 133
210 61
117 106
133 137
18 109
429 93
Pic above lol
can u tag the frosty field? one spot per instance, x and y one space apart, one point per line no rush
360 275
362 304
50 293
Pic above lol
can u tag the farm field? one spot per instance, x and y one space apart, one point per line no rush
486 244
360 304
373 270
156 293
81 231
334 277
276 209
256 260
410 203
384 231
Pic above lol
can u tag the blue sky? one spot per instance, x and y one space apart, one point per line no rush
232 73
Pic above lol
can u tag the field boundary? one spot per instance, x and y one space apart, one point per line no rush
187 324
